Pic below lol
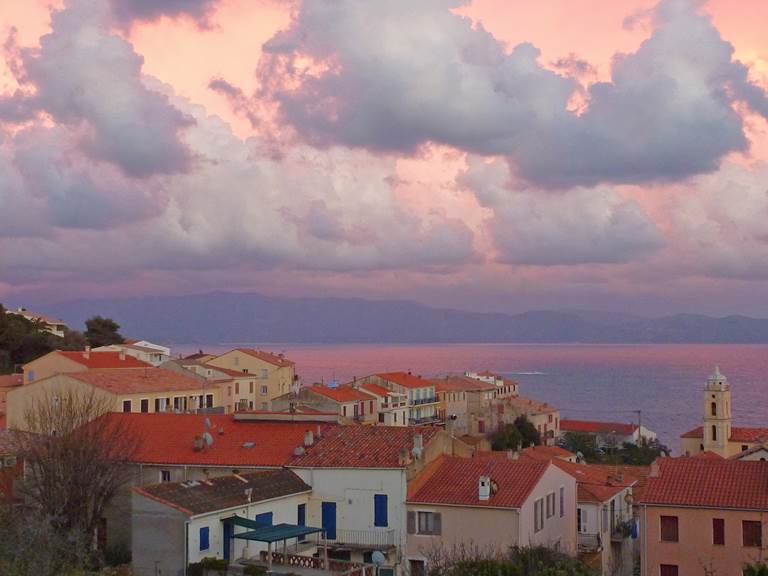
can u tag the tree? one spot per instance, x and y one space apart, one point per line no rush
74 462
530 435
507 438
579 442
102 332
756 569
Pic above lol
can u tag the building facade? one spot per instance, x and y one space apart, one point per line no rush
273 374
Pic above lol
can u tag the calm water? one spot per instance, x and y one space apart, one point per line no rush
584 381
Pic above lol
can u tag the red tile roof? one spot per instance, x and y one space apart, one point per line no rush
341 393
363 447
228 371
462 384
103 359
738 434
132 381
593 483
406 380
705 483
276 359
377 390
596 427
546 453
528 405
454 481
169 439
10 380
708 455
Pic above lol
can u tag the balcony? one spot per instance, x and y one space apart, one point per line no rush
425 420
420 401
589 543
368 539
388 406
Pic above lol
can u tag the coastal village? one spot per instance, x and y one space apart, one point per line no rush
237 463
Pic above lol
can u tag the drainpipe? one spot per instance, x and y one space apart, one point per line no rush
186 547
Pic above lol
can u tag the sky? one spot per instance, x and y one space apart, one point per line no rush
500 155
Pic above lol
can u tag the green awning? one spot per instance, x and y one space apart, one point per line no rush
271 532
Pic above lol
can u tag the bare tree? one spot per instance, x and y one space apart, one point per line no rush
76 458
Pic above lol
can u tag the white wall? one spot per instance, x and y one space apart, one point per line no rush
557 528
353 490
284 510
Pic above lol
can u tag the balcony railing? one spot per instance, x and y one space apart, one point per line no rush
589 543
374 539
419 401
387 406
424 420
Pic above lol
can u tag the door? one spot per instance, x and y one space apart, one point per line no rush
228 527
301 518
329 519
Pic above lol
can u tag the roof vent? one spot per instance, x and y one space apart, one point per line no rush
299 451
248 444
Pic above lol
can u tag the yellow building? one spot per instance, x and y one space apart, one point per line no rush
271 375
717 434
128 390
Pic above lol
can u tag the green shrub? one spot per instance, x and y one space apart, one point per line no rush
252 570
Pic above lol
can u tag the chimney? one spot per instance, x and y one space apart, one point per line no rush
319 433
402 457
121 355
221 430
309 439
197 446
87 352
484 488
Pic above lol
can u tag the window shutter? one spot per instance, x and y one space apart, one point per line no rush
411 522
438 524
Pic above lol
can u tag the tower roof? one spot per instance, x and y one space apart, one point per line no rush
717 375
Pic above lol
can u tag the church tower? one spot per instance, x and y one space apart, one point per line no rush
717 413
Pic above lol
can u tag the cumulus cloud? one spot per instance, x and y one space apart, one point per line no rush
91 80
127 11
581 226
395 75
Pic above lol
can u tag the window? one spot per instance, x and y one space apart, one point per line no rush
264 390
752 533
145 405
550 504
380 510
430 523
714 433
581 519
264 373
538 515
209 400
344 410
481 426
718 531
744 447
157 405
237 387
668 570
417 567
250 387
669 532
126 405
549 418
204 538
713 408
165 475
30 376
562 501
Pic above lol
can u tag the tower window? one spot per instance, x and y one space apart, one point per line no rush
713 408
714 433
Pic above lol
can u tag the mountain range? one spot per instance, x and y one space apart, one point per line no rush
224 317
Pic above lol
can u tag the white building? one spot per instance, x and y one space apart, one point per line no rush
143 350
48 323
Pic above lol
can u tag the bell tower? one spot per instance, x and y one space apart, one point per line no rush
717 413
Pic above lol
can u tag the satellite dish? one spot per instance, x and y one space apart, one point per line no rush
378 558
207 438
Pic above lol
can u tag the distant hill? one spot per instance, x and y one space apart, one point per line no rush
223 317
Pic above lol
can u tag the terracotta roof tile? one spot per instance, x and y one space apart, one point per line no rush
597 427
546 452
341 393
169 439
595 484
377 390
709 483
363 447
738 434
454 481
406 380
529 405
97 360
276 359
132 381
462 384
224 492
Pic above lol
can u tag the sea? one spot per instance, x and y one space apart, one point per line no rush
658 383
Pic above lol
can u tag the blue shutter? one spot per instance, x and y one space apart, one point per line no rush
329 519
263 519
204 538
301 515
380 510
